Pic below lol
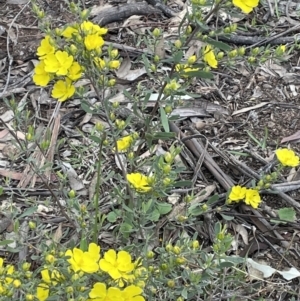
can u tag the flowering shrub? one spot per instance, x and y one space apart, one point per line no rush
286 157
152 266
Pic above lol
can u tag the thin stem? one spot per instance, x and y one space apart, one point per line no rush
97 193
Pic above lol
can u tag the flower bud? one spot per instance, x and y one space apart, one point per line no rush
233 27
178 44
167 181
69 289
188 30
32 225
167 168
180 260
202 2
267 185
114 53
220 55
50 258
192 59
72 194
153 68
204 207
232 53
25 266
176 250
99 126
168 109
156 32
169 247
28 275
156 59
171 283
163 266
112 116
255 51
182 218
111 82
150 254
29 137
188 198
84 14
195 244
17 283
241 51
168 157
29 297
251 59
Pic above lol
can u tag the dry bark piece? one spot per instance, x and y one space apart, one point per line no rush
119 13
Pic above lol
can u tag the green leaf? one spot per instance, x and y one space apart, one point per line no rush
287 214
154 217
213 199
195 210
227 217
226 264
112 217
96 139
28 212
200 74
86 107
83 244
163 135
235 259
163 208
146 206
164 119
178 57
5 242
183 184
125 229
218 44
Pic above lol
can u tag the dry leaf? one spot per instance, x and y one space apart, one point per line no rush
160 49
58 234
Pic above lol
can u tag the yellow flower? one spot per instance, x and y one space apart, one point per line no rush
132 293
100 63
237 193
93 42
62 90
42 292
139 181
118 266
69 32
114 64
99 292
287 157
172 86
52 278
75 71
41 77
282 48
184 68
90 28
45 48
58 62
84 261
209 57
252 198
124 143
245 5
